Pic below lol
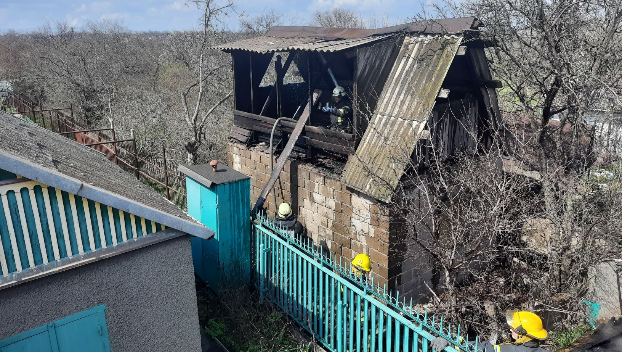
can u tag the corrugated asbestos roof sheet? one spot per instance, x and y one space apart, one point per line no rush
404 106
286 38
47 157
269 44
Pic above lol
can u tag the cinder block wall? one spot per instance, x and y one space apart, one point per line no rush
349 222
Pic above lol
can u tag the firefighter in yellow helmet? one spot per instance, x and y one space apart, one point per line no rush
288 220
527 332
339 110
361 265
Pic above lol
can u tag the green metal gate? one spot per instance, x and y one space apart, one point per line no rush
340 309
84 331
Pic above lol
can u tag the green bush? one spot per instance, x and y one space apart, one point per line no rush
563 339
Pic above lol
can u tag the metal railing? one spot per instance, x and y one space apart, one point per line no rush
105 141
341 309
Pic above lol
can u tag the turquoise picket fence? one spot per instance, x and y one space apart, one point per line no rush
342 310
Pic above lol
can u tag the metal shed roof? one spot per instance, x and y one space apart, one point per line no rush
44 156
269 44
400 116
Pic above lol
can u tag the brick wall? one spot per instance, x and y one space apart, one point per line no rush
348 222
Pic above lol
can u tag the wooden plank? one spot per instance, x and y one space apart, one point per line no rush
285 154
35 212
63 221
241 131
331 140
52 228
287 126
238 137
25 234
332 147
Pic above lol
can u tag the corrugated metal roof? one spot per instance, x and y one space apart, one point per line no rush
269 44
403 108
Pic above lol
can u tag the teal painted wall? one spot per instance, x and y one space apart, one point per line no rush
223 261
5 175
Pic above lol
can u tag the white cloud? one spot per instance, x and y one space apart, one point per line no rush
100 6
178 5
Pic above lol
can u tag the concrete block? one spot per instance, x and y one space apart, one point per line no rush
343 197
246 153
360 226
339 228
325 212
342 219
346 210
333 183
309 205
377 244
303 173
318 198
304 193
312 227
347 253
380 234
327 191
379 258
357 246
330 203
342 240
312 186
316 177
381 270
360 203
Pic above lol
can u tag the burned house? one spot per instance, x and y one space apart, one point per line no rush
414 88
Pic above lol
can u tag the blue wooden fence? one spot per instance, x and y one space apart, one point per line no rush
40 224
342 310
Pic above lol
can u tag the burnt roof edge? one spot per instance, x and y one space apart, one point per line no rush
69 184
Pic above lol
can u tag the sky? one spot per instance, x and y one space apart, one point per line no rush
167 15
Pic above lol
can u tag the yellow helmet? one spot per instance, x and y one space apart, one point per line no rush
526 323
285 210
362 262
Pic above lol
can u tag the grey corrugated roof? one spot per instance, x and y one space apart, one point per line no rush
400 116
269 44
323 39
44 156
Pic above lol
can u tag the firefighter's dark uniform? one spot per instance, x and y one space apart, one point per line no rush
530 346
340 119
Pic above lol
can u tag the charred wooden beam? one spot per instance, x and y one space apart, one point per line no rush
270 98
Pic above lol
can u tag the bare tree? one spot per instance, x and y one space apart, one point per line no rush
207 88
337 18
262 23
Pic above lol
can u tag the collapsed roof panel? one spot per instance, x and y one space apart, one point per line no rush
401 113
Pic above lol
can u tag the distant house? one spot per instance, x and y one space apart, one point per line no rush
90 258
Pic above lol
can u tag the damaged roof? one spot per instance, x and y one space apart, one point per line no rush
47 157
322 39
400 116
